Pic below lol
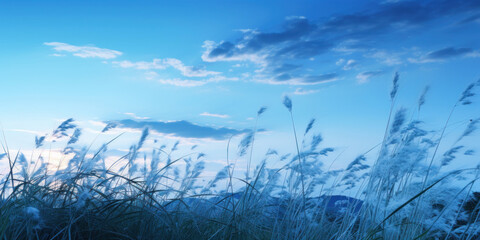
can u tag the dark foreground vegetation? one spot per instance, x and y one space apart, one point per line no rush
405 194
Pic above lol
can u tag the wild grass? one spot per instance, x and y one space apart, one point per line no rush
404 194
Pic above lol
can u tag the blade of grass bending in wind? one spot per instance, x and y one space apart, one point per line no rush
393 93
109 126
463 202
464 100
7 152
443 210
63 128
259 113
471 127
309 126
287 102
421 99
75 136
374 230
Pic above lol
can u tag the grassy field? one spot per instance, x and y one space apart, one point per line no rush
405 194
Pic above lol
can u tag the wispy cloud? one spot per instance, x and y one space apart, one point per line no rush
444 54
184 129
142 65
296 53
270 50
350 64
301 91
299 80
207 114
84 51
188 71
156 64
38 133
448 52
133 115
364 77
384 57
300 39
473 18
180 82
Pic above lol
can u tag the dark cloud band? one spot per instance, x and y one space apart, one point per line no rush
184 129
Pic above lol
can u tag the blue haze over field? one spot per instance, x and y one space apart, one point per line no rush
203 69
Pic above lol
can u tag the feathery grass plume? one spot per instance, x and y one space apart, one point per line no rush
200 155
393 93
261 111
175 146
41 170
22 160
142 138
109 126
32 212
33 217
82 199
412 131
198 168
74 138
325 151
287 102
464 100
468 93
39 141
469 152
245 144
449 155
62 129
471 127
285 156
309 126
271 152
222 174
316 140
398 121
357 165
154 161
421 100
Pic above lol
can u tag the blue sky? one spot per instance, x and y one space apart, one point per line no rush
203 69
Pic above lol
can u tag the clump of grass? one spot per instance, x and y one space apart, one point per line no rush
404 194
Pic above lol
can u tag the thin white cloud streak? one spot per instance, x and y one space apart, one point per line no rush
27 131
387 58
133 115
301 91
298 81
179 82
188 71
350 64
156 64
364 77
425 59
207 114
84 51
142 65
209 46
